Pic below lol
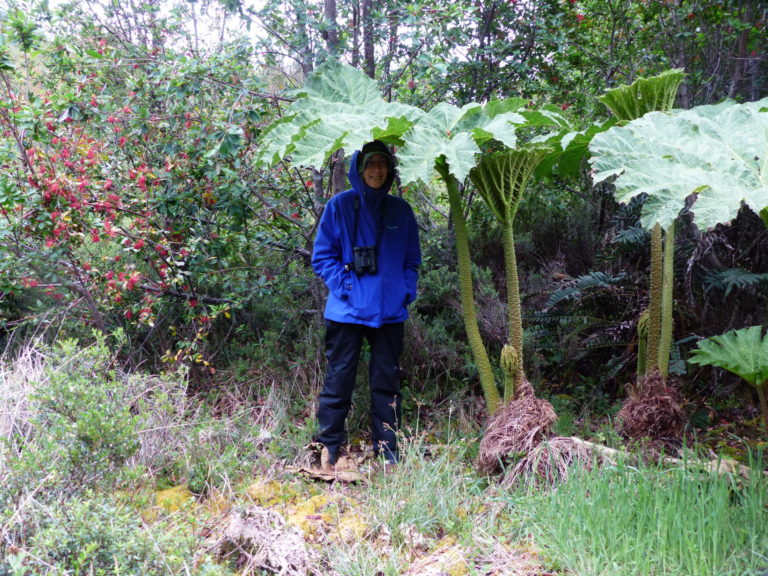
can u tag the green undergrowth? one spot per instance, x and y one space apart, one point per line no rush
106 472
656 520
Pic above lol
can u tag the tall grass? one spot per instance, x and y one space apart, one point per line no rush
431 495
655 521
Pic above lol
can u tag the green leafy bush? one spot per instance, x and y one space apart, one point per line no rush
93 534
744 353
80 430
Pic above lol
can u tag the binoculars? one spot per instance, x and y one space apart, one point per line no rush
365 260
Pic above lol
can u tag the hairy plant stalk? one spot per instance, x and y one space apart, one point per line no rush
514 310
642 344
479 353
665 333
654 305
501 179
761 397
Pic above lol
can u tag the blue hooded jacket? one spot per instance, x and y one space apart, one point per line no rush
384 221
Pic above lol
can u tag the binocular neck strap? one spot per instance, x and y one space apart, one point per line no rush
382 214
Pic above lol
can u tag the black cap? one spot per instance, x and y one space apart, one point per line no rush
369 150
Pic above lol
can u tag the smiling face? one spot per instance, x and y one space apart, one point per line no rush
376 171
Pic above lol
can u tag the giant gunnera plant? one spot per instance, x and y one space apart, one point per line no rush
710 160
501 178
523 420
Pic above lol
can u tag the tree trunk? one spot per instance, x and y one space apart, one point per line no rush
355 61
303 44
740 61
369 64
394 23
338 174
331 35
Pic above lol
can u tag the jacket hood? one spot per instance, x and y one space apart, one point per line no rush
356 178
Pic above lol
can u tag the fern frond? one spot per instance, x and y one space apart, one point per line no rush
633 236
733 279
577 287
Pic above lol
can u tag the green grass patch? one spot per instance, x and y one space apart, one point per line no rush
655 521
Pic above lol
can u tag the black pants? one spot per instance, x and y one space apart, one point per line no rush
343 343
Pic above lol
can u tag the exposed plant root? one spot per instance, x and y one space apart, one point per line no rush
652 411
505 560
549 462
515 429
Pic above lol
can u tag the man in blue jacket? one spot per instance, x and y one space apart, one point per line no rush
367 252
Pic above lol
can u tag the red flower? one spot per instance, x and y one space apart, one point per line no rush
579 17
132 281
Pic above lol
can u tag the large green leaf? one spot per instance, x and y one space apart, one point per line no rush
436 135
458 134
570 151
644 95
743 352
718 152
501 179
338 107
